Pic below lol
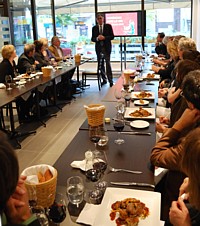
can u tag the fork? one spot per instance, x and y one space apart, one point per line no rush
114 170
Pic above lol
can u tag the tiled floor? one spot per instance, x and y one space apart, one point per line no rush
50 141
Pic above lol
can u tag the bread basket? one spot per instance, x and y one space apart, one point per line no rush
95 114
43 193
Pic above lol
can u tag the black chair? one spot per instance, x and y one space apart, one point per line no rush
90 75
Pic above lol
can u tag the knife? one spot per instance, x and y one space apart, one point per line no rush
133 184
136 133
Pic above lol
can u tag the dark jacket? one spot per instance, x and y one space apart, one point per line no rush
6 68
106 44
161 49
25 62
41 59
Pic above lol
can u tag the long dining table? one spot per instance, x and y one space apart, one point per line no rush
134 154
7 97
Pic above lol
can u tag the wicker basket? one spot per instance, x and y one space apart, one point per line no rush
95 114
47 71
43 193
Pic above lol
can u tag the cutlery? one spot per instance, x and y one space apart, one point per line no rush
118 120
114 170
133 184
136 133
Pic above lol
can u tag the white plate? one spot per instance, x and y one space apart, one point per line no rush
130 110
140 124
134 95
21 82
151 200
156 77
39 73
137 102
58 67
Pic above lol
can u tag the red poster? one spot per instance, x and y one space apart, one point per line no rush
124 24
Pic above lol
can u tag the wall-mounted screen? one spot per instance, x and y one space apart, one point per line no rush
127 23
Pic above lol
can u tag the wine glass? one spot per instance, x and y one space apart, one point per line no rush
94 135
75 190
57 211
118 94
8 80
119 126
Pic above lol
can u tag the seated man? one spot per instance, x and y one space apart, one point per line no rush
168 151
161 48
55 48
27 60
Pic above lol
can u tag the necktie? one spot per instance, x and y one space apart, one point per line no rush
100 30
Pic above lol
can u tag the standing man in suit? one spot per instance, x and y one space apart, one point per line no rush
102 34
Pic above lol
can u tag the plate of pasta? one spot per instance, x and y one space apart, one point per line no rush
118 205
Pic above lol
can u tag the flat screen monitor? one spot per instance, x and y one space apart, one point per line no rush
127 23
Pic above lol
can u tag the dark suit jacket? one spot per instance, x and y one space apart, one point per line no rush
109 35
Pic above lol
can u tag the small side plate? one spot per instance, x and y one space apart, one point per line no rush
139 124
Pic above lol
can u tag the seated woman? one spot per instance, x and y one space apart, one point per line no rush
8 67
168 151
46 52
183 213
179 104
38 55
14 207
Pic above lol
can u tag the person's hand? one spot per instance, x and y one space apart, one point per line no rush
36 62
164 119
160 128
17 207
101 37
179 214
184 188
155 68
162 92
187 120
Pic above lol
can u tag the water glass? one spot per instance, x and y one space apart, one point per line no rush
75 190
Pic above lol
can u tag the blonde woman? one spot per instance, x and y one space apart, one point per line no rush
46 52
8 66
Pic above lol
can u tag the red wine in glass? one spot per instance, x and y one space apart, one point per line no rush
57 212
93 174
118 126
101 166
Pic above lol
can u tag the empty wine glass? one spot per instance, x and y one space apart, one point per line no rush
118 94
75 190
57 211
8 80
119 126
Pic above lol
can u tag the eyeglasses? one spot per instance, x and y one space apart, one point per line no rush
99 18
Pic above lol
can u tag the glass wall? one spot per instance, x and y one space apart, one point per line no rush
22 23
74 20
44 19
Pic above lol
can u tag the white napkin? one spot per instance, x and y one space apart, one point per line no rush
88 214
31 172
82 164
79 164
2 86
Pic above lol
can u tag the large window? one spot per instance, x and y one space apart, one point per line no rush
44 19
22 23
74 20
